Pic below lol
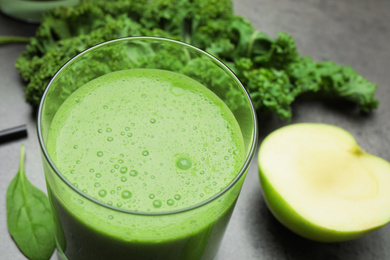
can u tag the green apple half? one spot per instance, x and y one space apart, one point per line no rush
320 184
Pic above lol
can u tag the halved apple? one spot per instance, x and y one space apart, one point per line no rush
320 184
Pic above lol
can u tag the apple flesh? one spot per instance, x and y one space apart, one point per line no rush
320 184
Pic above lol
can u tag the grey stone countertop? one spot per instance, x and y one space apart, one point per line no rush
349 32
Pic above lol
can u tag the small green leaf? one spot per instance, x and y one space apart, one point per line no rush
29 217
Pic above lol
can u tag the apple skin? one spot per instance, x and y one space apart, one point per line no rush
286 215
292 220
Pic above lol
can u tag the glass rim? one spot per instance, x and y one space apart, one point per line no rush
245 166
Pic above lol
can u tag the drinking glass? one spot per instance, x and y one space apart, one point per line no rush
88 228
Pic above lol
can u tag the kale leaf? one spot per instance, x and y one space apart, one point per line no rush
271 69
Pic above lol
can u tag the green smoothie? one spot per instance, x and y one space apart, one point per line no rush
148 142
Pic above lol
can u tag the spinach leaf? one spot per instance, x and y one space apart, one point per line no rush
29 217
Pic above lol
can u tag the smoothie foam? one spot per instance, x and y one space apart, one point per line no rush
146 141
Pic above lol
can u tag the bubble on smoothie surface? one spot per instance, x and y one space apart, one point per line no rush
157 203
183 163
126 194
102 193
177 91
133 173
123 169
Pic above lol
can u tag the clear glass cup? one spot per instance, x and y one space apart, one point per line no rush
31 10
88 228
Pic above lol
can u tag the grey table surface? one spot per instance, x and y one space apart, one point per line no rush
349 32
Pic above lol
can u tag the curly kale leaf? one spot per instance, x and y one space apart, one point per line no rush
334 80
271 69
271 91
